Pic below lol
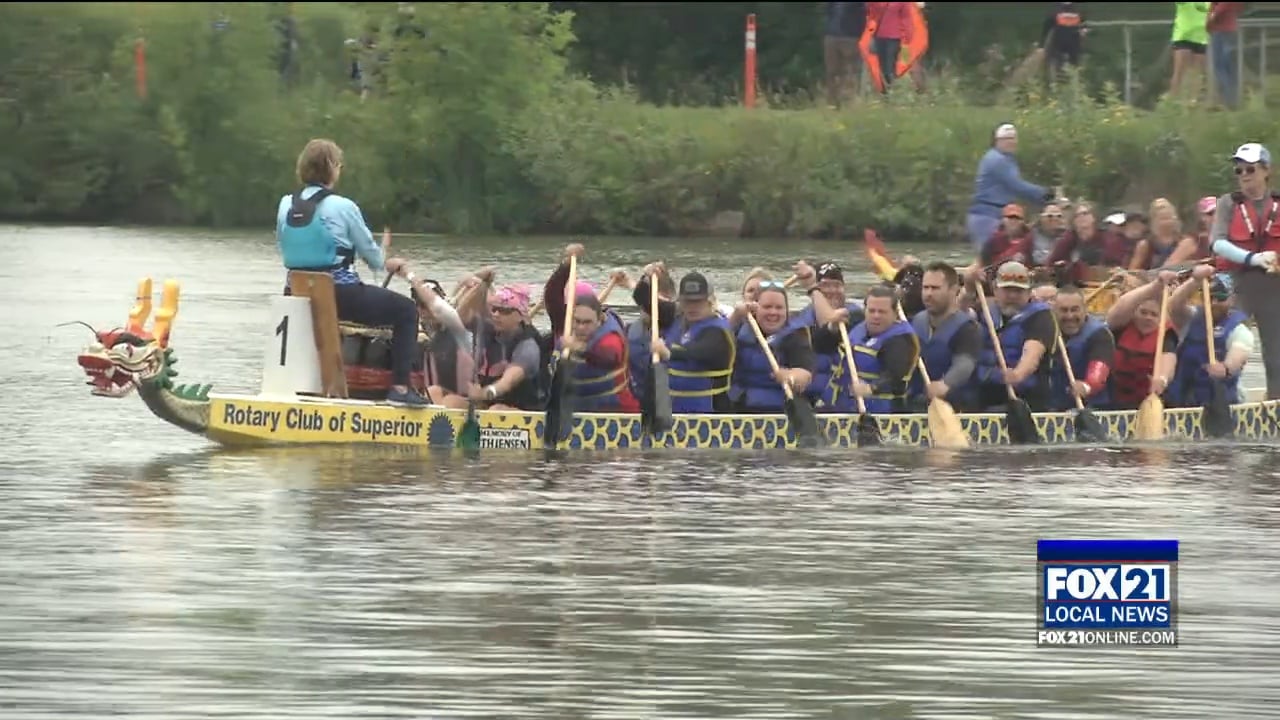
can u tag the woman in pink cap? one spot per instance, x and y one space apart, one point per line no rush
598 339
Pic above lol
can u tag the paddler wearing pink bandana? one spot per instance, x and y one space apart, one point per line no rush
509 353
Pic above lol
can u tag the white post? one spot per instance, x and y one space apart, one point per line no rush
290 362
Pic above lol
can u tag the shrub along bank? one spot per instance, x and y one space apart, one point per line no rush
478 127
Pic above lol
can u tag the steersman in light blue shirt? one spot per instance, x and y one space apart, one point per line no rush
318 230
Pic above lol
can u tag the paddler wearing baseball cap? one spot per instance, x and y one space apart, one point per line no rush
997 185
1233 341
827 280
699 350
1027 333
1245 240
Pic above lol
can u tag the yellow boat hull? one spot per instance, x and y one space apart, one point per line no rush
246 420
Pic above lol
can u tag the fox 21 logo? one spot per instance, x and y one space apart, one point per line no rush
1120 583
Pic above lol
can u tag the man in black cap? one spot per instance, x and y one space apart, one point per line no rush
828 367
699 350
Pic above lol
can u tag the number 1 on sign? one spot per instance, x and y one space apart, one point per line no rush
282 330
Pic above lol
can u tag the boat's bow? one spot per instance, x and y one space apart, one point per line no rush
120 361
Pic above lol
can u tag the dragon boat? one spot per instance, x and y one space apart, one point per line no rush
320 378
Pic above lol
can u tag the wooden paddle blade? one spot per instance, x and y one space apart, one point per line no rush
1149 423
944 426
1216 420
1022 425
804 422
868 431
1088 427
656 416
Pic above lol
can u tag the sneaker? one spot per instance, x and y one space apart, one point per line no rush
408 398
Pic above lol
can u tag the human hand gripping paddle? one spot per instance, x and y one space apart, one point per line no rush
655 412
868 428
800 415
944 424
1216 420
1149 424
559 417
1022 426
1087 425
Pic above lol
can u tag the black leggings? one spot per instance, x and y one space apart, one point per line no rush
379 307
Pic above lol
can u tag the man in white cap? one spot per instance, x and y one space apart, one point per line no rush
1245 239
1026 331
998 184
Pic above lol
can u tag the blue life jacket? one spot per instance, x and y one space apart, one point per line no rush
693 387
593 390
304 241
1012 336
639 356
866 354
935 350
824 389
1191 385
754 386
1060 396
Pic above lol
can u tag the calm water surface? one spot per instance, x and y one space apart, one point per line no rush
147 574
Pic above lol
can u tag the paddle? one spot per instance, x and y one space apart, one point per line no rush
868 428
1022 426
800 415
468 439
1149 423
1087 425
558 422
655 413
944 424
1216 419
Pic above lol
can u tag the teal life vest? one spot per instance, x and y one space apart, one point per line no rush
304 241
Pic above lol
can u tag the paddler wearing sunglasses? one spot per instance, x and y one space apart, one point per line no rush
1245 239
827 281
1233 341
756 387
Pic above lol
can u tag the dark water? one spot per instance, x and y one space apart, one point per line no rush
146 574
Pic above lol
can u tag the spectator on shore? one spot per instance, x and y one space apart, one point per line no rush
997 184
917 68
1060 37
844 25
1190 40
893 28
1224 37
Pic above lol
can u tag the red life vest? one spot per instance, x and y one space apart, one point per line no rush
1135 361
1251 231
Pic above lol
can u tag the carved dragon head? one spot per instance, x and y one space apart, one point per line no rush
119 360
